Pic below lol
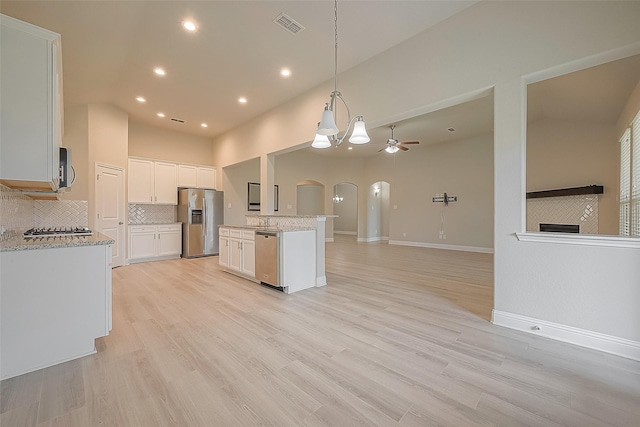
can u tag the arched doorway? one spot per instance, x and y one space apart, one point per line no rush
310 198
345 206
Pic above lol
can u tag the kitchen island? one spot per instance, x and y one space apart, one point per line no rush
300 257
56 300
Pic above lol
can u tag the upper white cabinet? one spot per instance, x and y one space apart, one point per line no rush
153 182
166 184
141 181
187 176
206 177
30 105
196 176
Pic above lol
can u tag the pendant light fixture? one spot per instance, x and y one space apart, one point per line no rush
327 131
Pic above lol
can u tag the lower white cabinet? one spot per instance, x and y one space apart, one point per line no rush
238 251
155 242
55 303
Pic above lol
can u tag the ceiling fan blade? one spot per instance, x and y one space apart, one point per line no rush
410 142
403 148
382 149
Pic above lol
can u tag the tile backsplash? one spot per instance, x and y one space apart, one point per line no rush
19 213
16 213
152 214
579 210
61 213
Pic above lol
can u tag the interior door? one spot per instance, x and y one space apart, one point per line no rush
110 209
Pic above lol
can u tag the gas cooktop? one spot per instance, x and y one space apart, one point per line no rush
57 232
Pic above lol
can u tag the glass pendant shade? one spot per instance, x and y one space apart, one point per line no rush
392 149
321 141
359 135
327 124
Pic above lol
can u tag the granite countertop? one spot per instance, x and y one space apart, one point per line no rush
291 216
19 243
263 228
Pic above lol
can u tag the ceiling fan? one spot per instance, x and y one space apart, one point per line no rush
393 146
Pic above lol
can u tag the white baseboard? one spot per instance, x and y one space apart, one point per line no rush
328 239
582 337
350 233
321 281
372 239
440 246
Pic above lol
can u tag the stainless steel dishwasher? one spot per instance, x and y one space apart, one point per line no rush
268 257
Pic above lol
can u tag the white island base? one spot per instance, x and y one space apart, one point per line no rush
297 260
301 250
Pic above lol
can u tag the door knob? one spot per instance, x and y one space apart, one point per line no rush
120 223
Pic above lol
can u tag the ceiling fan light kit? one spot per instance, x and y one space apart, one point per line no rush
393 146
327 127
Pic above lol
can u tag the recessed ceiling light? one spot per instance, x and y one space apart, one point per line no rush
285 72
159 71
141 99
189 25
350 148
160 114
242 100
204 125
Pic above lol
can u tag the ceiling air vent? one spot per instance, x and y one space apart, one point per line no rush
288 23
173 119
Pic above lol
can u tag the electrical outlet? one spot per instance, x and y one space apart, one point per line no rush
229 206
404 234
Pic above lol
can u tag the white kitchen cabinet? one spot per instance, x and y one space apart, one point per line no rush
31 107
223 256
238 251
154 242
55 303
249 257
153 182
169 240
205 177
166 183
187 176
235 254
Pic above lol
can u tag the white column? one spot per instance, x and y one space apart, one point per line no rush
267 173
321 278
509 186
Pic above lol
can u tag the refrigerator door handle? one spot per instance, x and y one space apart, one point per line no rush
204 217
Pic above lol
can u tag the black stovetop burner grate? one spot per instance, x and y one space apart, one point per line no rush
57 232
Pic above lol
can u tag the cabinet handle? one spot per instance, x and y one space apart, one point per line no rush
151 197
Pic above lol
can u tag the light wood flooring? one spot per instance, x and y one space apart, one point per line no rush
399 337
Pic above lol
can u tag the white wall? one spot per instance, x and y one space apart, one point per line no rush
490 45
164 144
310 199
76 137
108 129
234 184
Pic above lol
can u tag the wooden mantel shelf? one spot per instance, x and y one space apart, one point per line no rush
574 191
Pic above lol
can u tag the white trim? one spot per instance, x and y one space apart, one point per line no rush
439 246
351 233
149 259
328 239
580 239
372 239
582 337
321 281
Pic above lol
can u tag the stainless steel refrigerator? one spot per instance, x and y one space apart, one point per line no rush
201 213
